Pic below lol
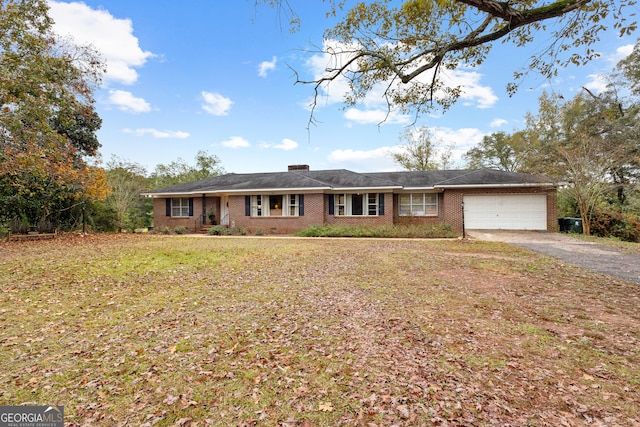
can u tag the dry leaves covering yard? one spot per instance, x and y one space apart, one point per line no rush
150 330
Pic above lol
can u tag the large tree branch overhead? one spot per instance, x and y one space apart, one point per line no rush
412 44
506 11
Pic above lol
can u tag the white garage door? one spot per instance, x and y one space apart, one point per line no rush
506 212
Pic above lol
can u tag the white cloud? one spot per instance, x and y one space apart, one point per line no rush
287 145
127 102
375 116
621 53
597 83
380 159
216 104
235 142
157 133
472 91
266 66
112 36
375 160
496 123
462 139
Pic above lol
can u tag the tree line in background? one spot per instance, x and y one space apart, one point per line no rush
124 209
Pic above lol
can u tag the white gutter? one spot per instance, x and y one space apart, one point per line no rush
421 189
542 184
250 191
365 189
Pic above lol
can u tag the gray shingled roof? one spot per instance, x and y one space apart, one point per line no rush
345 179
467 177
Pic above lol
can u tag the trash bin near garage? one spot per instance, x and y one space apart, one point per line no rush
570 225
575 225
562 225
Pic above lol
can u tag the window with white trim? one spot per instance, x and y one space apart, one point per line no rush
275 205
180 207
418 204
257 208
356 204
293 206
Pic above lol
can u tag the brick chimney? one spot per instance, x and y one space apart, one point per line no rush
298 167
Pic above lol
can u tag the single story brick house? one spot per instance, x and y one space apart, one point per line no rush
286 202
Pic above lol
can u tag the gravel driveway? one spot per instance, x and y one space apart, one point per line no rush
584 254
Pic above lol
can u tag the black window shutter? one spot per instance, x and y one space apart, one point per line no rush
168 207
247 205
381 204
331 205
301 205
190 206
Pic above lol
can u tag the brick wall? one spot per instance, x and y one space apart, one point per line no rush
193 223
313 215
452 212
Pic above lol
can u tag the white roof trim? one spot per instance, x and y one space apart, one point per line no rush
542 184
249 191
421 189
364 189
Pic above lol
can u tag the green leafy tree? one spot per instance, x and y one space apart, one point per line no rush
421 151
499 151
404 49
587 142
179 171
47 119
630 70
126 180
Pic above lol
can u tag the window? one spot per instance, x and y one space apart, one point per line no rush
256 206
372 203
418 204
180 207
294 205
341 204
357 204
275 205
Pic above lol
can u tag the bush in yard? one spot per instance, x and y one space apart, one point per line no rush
164 230
219 230
181 230
614 223
386 231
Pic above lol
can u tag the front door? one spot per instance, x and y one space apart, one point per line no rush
224 210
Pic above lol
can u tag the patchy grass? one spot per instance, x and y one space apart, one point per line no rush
629 247
154 330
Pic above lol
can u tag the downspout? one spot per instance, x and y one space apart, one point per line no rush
464 234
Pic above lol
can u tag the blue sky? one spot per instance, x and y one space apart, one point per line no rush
216 75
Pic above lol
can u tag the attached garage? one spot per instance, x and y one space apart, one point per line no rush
505 212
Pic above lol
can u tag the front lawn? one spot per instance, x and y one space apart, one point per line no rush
174 330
